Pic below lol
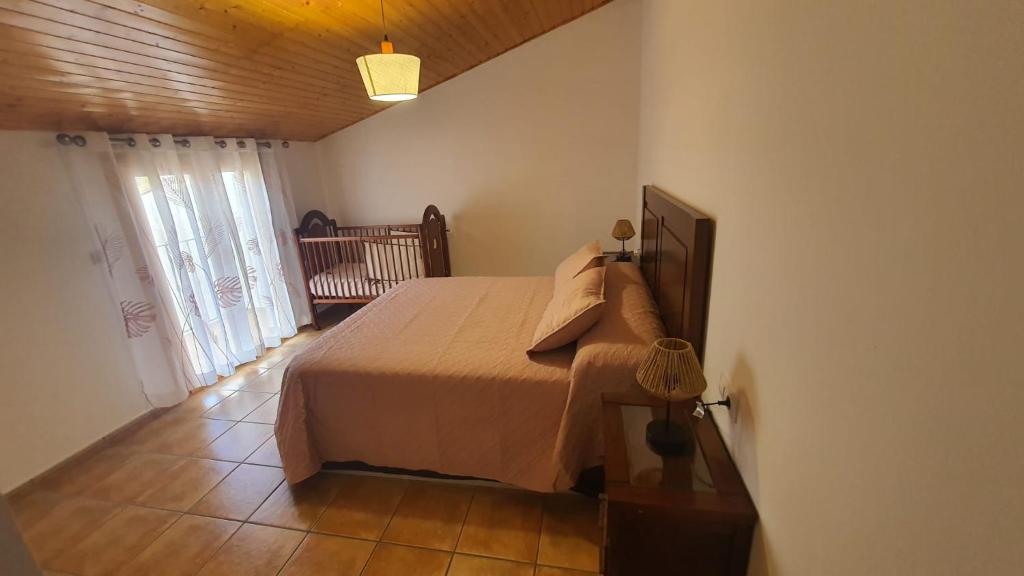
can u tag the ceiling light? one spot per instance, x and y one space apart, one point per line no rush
389 77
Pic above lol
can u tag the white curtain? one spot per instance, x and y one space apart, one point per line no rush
209 223
282 209
150 327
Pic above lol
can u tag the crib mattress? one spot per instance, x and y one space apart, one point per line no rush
346 280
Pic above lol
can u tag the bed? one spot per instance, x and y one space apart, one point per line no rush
433 374
356 264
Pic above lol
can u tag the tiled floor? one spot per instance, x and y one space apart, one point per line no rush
200 491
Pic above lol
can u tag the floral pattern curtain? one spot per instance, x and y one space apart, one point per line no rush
208 224
157 348
282 209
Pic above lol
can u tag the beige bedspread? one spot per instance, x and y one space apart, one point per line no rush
434 375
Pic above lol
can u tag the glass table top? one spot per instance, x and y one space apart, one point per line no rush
687 472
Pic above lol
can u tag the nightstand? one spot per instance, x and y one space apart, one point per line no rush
688 514
616 257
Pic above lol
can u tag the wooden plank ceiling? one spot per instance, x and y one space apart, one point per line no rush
263 68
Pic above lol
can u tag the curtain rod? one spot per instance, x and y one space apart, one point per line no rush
79 140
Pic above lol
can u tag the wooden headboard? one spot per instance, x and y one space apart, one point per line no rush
675 257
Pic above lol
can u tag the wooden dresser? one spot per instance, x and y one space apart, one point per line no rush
687 514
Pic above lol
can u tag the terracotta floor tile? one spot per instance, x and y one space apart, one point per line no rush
201 400
31 507
274 358
392 560
137 474
298 506
430 514
237 406
85 473
238 443
321 555
183 549
570 535
187 484
180 435
503 524
266 413
266 455
253 551
115 543
238 380
362 506
549 571
477 566
269 381
65 525
240 493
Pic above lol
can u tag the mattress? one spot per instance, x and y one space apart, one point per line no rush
345 280
434 375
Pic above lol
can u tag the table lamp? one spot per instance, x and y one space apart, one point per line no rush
670 371
623 230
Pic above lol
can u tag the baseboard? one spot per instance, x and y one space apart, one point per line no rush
92 449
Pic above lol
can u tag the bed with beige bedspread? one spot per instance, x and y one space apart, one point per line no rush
434 375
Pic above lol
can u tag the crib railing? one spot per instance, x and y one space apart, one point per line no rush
356 264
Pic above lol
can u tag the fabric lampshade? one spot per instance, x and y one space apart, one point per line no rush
390 77
671 371
623 230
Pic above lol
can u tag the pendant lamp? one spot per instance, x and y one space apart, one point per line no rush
389 77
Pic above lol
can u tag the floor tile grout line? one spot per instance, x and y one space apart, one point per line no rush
222 544
405 490
462 527
269 394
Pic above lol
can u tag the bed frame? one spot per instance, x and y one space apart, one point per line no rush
335 268
675 257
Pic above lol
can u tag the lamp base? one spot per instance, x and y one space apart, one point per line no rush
623 257
667 438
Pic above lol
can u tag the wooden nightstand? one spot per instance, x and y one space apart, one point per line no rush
614 257
671 515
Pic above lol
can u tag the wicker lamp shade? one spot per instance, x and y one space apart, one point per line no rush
671 371
623 230
388 76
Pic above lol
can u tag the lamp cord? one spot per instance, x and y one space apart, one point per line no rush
383 22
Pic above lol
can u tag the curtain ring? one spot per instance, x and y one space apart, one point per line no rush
78 140
220 143
155 142
241 144
63 139
285 144
184 143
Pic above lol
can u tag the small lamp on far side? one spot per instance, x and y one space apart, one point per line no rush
623 230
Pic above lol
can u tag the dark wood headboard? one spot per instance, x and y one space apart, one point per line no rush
675 257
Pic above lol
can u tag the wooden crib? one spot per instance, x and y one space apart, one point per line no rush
355 264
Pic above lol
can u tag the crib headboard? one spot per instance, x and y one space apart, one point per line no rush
316 224
434 239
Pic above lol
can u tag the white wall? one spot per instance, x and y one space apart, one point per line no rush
529 155
68 378
302 163
863 161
